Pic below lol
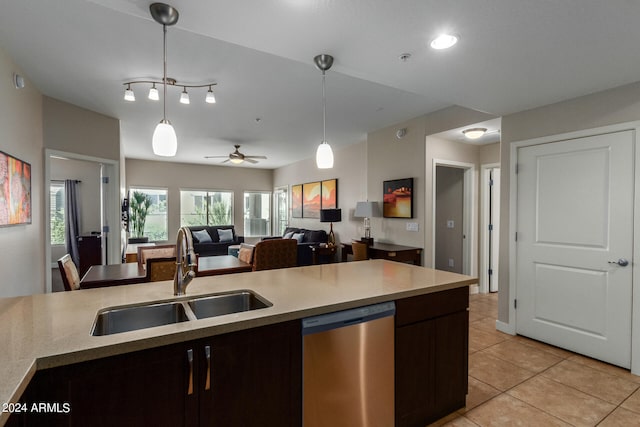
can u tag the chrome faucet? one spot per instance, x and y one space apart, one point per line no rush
184 252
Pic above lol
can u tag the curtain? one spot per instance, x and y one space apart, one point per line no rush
72 216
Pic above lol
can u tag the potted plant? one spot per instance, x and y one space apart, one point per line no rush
139 206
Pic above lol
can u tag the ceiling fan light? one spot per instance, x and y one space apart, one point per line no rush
184 97
153 93
324 156
444 41
165 141
129 95
210 98
474 133
236 160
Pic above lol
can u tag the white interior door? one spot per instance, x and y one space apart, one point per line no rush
574 223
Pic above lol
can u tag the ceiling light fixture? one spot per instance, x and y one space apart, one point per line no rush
165 142
129 95
153 93
324 154
210 98
474 133
184 96
444 41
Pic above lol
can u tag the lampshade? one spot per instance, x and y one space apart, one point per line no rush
324 156
330 215
165 142
210 98
184 97
153 93
129 95
366 210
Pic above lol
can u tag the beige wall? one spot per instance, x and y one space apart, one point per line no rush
350 168
391 158
76 130
176 176
618 105
23 255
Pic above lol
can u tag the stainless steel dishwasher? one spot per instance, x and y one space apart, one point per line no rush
348 368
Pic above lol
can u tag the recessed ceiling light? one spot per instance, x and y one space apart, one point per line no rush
444 41
474 133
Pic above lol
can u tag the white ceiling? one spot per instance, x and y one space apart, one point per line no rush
512 55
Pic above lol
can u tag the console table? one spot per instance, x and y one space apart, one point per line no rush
388 251
324 251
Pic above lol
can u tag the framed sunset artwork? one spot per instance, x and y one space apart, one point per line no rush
15 190
398 198
329 193
296 201
311 193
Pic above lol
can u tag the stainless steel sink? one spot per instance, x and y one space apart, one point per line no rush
123 319
219 304
115 320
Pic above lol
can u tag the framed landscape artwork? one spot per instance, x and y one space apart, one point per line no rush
296 201
329 194
398 198
311 192
15 191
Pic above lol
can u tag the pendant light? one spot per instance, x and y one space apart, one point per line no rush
324 154
165 141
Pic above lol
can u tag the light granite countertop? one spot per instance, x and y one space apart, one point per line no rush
49 330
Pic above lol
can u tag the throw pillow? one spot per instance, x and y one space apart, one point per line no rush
298 237
225 235
201 236
288 235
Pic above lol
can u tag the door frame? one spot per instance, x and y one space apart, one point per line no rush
513 226
484 226
470 215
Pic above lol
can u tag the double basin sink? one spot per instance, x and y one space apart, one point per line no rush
130 318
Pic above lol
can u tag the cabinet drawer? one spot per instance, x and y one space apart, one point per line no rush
429 306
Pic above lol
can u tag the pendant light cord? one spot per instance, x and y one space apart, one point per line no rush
324 111
164 67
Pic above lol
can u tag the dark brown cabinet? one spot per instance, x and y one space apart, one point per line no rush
250 378
90 251
431 356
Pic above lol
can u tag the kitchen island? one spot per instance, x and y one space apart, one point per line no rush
40 332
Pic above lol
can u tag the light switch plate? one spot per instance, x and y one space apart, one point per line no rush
451 262
412 226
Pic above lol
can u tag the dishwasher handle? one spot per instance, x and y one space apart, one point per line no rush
326 322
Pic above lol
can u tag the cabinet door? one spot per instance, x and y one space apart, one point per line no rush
141 388
255 378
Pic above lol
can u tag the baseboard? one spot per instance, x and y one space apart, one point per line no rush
507 328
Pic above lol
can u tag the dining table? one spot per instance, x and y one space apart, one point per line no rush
99 276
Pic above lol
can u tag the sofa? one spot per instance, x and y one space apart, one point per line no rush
210 242
306 239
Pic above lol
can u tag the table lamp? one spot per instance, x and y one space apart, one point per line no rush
366 210
331 215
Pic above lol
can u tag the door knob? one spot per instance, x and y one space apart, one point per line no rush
621 262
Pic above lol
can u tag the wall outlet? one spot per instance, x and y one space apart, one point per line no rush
412 226
450 224
450 262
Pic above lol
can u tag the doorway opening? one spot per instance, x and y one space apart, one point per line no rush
489 227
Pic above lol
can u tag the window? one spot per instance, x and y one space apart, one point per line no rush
257 210
56 195
203 207
156 226
281 219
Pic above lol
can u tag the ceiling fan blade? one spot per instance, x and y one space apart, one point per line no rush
215 157
255 157
246 159
226 161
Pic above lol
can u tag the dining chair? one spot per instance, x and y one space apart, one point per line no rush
161 269
69 273
360 251
276 253
156 251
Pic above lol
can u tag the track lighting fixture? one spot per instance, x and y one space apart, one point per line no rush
128 94
153 93
184 96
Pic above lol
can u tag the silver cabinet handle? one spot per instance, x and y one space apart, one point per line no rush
621 262
207 354
190 359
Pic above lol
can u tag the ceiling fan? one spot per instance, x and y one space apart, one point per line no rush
237 157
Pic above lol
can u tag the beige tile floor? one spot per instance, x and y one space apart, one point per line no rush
515 381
